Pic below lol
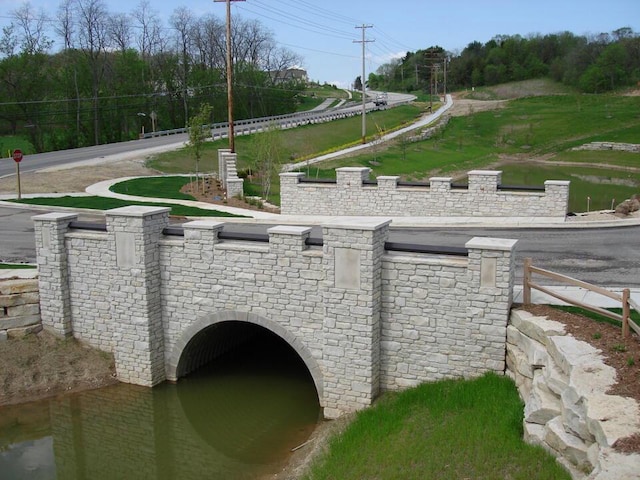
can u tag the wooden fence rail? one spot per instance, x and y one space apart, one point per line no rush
625 299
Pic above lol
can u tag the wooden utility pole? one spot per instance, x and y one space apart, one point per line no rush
364 88
230 75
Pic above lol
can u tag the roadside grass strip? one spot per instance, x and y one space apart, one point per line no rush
155 187
452 429
105 203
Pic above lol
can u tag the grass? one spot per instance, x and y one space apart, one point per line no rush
524 128
162 187
449 429
15 266
9 143
104 203
297 143
634 315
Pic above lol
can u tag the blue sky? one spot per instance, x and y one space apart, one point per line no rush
322 32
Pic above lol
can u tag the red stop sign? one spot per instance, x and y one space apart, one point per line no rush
17 155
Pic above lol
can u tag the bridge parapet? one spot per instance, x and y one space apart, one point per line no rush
353 194
363 319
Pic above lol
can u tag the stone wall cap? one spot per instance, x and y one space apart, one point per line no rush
47 217
486 243
564 183
137 211
388 177
440 179
353 169
288 230
203 225
485 172
293 174
358 223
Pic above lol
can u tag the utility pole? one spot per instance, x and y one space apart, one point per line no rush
364 88
230 75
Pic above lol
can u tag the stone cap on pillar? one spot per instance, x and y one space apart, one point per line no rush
203 225
487 243
288 230
359 223
138 211
54 216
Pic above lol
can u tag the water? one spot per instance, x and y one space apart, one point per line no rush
237 418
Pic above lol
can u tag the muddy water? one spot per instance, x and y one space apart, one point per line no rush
237 418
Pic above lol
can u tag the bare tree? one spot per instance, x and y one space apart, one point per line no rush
33 34
209 42
120 31
183 22
93 40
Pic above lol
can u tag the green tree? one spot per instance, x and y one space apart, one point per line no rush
199 131
267 151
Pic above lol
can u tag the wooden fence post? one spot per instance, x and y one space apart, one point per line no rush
526 279
625 312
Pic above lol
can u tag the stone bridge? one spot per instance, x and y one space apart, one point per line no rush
363 314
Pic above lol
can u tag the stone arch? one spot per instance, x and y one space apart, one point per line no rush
233 315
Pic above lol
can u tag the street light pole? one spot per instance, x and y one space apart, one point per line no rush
229 75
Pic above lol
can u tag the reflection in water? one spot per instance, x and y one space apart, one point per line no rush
235 419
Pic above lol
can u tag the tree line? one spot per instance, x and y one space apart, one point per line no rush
113 75
591 64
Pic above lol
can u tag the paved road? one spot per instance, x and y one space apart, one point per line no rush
607 257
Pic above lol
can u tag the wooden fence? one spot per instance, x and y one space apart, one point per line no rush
625 299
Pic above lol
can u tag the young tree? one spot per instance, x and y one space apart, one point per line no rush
267 151
199 131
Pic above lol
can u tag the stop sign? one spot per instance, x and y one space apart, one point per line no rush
17 155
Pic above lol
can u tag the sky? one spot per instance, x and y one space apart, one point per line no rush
324 33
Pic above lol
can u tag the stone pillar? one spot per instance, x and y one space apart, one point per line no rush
288 241
352 297
440 185
235 187
200 238
351 177
491 273
135 293
53 272
484 181
289 192
388 183
222 166
557 196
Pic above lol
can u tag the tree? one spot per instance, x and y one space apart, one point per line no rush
199 131
357 85
267 151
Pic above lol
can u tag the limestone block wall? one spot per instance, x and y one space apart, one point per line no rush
604 146
351 195
563 383
362 318
445 317
19 306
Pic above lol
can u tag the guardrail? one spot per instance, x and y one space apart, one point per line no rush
290 120
625 299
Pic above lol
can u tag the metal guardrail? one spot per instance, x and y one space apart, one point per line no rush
281 121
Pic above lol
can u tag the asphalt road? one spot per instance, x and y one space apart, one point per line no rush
607 257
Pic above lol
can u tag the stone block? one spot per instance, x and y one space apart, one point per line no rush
610 418
569 446
17 286
542 405
19 322
537 328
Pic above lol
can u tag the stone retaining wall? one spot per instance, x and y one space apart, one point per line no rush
604 146
228 173
350 195
563 383
19 307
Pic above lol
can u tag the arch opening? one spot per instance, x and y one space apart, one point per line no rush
256 383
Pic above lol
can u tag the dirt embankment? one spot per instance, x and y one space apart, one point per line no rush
41 365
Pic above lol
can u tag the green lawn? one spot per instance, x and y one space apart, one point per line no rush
297 143
104 203
161 187
453 429
15 266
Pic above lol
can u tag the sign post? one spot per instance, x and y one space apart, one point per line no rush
17 157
